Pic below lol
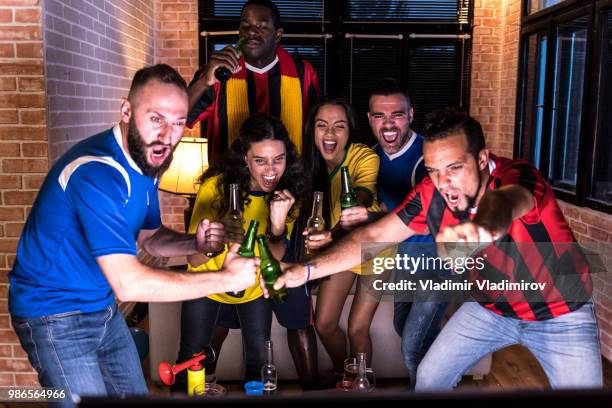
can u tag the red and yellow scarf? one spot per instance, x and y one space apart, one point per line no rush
290 94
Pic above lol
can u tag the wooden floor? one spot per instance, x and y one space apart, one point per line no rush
516 368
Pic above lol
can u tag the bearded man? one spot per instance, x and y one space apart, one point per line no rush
77 251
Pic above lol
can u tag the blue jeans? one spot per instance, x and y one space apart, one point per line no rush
418 324
89 354
567 346
198 318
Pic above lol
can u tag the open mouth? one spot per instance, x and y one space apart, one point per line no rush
159 153
329 146
269 182
390 135
453 199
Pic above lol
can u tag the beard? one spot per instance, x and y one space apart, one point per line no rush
465 214
471 203
138 150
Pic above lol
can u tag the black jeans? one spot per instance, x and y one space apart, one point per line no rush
198 318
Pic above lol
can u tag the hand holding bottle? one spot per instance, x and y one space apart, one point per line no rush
233 220
241 272
353 217
317 241
223 63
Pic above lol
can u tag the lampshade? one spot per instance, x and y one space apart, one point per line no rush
190 161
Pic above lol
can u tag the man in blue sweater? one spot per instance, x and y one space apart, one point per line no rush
401 167
77 251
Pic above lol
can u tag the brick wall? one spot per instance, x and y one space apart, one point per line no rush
92 49
176 39
23 155
593 230
493 92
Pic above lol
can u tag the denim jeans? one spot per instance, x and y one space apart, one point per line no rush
198 318
89 354
567 346
418 324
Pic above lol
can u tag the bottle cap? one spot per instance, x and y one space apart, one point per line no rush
254 388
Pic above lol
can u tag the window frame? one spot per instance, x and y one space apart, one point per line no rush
546 22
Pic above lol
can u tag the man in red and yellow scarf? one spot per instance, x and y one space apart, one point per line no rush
265 79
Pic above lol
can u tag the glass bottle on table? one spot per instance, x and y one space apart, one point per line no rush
348 198
316 223
269 376
361 383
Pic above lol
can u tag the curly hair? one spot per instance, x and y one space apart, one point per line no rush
233 167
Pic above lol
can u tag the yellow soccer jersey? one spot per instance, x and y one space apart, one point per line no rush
256 209
363 165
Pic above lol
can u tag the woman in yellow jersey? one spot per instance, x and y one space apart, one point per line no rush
265 164
330 128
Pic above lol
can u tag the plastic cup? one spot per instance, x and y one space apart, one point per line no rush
254 388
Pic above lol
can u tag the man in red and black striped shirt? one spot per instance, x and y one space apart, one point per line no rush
472 196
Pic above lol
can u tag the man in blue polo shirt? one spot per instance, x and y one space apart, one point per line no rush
78 247
401 167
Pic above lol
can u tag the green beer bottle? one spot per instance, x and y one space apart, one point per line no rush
348 198
247 249
270 271
223 74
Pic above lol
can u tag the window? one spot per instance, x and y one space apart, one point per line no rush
537 5
601 187
566 112
564 100
354 43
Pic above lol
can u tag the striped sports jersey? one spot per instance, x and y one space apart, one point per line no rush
425 207
286 90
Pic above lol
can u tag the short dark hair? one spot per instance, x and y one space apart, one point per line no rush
390 86
276 18
161 72
442 123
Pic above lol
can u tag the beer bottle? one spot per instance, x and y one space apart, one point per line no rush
315 223
270 271
234 216
247 249
348 198
269 377
222 73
